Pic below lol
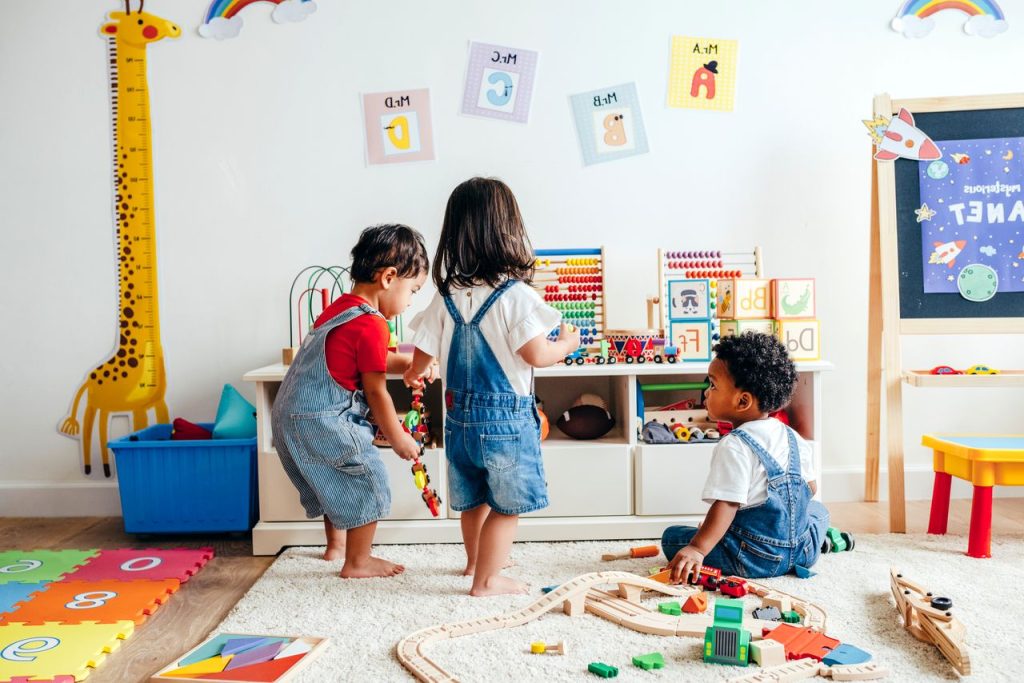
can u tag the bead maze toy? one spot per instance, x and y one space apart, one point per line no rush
929 619
572 282
302 303
622 606
63 611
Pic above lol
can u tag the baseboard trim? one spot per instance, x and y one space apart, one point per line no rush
101 499
47 499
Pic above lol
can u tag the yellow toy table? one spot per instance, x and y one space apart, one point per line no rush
985 461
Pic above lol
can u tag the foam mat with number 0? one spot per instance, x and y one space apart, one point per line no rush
75 602
35 566
151 564
50 650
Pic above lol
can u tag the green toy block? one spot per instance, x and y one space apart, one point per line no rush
791 617
603 670
672 608
653 660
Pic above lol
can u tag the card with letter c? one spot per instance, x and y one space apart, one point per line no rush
499 82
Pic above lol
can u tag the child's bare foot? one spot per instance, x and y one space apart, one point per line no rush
499 585
370 567
334 553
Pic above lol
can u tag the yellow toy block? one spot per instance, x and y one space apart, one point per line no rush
50 649
744 298
802 338
212 665
731 328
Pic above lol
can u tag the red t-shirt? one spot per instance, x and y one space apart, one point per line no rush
358 346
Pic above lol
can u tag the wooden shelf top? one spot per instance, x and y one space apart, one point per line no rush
924 378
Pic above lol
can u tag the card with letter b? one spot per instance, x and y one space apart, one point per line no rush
609 123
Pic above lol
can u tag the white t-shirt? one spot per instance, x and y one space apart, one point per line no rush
736 473
518 316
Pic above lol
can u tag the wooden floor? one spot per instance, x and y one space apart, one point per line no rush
202 603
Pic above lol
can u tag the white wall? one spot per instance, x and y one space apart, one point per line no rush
258 162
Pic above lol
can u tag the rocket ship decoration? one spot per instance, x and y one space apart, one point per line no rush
900 138
946 252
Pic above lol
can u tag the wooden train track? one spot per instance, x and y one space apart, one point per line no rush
584 594
802 669
929 624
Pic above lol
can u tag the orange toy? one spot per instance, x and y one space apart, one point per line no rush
639 551
76 602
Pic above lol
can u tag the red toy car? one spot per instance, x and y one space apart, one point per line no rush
708 578
944 370
733 586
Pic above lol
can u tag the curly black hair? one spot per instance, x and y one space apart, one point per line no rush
759 363
385 246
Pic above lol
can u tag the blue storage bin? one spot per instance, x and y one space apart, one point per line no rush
185 486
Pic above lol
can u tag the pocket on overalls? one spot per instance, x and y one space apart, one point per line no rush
500 452
327 438
757 562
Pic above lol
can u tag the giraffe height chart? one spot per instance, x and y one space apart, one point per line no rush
132 379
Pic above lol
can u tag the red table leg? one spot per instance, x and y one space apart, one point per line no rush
940 503
979 542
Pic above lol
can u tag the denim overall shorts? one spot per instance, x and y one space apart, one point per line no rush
767 539
491 433
324 439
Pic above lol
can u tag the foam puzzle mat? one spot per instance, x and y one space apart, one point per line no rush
63 611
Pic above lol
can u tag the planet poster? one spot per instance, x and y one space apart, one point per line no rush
972 215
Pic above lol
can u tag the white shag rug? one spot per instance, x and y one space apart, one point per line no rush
301 594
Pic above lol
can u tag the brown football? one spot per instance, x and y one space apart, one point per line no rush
586 422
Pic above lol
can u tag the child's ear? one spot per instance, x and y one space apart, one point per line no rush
388 276
744 400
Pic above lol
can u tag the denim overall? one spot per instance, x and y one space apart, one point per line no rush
767 539
324 440
491 433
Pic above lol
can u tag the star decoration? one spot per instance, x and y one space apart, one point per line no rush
924 213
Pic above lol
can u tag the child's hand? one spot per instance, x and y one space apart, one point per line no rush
406 448
686 562
416 381
570 336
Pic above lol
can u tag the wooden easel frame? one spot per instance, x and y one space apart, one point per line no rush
885 326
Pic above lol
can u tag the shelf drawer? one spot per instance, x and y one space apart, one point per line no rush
279 501
669 479
587 479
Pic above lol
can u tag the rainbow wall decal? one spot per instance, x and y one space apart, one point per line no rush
914 18
222 20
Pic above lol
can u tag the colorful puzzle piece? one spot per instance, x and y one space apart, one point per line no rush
36 566
845 655
216 645
236 645
671 608
654 660
151 564
299 646
256 655
266 672
801 642
50 650
75 602
13 593
212 665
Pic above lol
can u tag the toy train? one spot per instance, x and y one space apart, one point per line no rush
627 346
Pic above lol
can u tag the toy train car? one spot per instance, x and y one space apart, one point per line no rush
627 346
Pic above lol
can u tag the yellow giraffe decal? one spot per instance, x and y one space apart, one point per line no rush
132 380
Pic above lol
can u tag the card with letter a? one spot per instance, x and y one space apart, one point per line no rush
702 74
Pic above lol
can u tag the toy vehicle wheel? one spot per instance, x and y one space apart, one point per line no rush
941 603
629 360
600 360
579 361
567 361
612 360
826 546
641 359
848 537
712 583
671 359
659 359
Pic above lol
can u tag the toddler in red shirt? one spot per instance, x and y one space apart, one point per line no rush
320 426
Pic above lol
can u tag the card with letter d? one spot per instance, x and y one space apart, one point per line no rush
702 74
398 126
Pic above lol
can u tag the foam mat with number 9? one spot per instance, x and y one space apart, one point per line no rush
51 649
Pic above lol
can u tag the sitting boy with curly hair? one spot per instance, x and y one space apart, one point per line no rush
762 521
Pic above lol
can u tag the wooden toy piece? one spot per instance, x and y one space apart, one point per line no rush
726 641
802 338
778 600
603 670
256 655
791 617
654 660
845 655
792 298
288 354
929 624
204 666
540 647
767 653
696 603
768 614
803 572
272 670
782 673
690 299
693 339
801 642
639 551
744 298
857 672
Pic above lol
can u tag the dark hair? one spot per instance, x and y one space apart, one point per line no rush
386 246
759 363
483 239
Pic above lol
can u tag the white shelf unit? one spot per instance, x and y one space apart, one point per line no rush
615 487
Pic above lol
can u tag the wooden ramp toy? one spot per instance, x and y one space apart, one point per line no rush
928 618
75 602
49 650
